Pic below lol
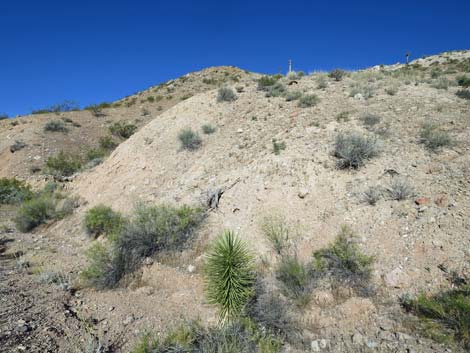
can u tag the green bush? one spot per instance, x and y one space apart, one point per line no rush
97 109
308 100
152 229
400 189
463 93
226 94
107 143
265 82
432 138
463 81
95 153
444 316
189 139
295 278
292 96
64 164
65 106
208 129
343 261
229 275
337 74
14 191
276 90
441 83
353 150
102 219
55 126
276 230
35 212
122 129
278 146
370 119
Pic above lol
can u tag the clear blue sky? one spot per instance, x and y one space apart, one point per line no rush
94 51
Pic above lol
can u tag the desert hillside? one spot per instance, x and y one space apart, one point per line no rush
269 149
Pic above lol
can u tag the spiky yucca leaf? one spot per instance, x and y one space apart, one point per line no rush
229 275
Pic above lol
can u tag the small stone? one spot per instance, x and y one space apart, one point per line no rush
240 131
129 319
403 336
315 346
191 268
148 261
441 200
359 96
323 343
423 201
357 338
372 344
21 322
396 278
111 308
21 348
303 193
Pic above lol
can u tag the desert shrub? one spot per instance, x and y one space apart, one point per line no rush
35 212
189 139
322 81
463 93
18 145
343 116
122 129
463 81
392 90
265 82
370 119
337 74
276 230
278 146
444 316
308 100
96 153
65 106
107 143
229 275
209 81
271 312
276 90
63 164
344 262
295 279
150 99
366 90
400 189
226 94
52 277
150 230
353 150
441 83
432 138
55 126
97 109
292 96
208 129
102 219
14 191
371 195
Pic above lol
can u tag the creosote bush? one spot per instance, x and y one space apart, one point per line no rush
463 81
189 139
444 316
229 275
64 164
463 93
337 74
152 229
353 150
226 94
432 138
208 129
265 82
55 126
344 262
14 191
102 219
122 129
308 100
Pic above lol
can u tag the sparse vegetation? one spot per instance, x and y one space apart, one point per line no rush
265 82
278 146
365 90
14 191
208 129
370 119
463 93
295 279
63 164
107 143
372 194
441 83
343 116
189 139
463 81
102 219
229 275
400 189
17 146
444 316
226 94
353 150
65 106
276 230
345 263
122 129
337 74
152 229
433 138
55 126
34 212
292 96
308 100
276 90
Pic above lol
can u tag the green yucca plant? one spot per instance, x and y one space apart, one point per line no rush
229 275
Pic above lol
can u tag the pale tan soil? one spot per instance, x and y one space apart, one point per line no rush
408 241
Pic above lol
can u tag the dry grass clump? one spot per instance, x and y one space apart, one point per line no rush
353 149
433 138
189 139
226 94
